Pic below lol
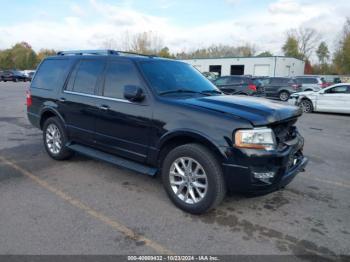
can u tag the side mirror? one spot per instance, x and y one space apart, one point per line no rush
321 92
133 93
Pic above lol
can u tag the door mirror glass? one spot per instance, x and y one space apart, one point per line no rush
133 93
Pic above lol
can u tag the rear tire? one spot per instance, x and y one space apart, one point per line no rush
284 96
55 139
193 179
307 106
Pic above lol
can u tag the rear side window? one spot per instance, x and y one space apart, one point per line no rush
85 75
119 75
221 81
51 74
279 80
235 80
307 80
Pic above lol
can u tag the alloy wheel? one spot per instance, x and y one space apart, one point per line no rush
188 180
53 139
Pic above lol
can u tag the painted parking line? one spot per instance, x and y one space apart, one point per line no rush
334 183
90 211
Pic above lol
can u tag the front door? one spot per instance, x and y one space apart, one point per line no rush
335 99
123 127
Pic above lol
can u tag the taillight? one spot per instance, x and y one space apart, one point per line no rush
324 85
252 87
28 98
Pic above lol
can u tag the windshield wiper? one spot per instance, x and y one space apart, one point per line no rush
212 91
178 91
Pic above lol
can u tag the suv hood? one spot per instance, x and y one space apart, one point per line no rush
258 111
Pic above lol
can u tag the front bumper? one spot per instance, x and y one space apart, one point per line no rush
241 164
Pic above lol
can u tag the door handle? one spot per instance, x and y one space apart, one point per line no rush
104 107
62 99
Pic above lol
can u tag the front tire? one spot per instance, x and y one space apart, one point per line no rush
193 179
307 106
55 139
284 96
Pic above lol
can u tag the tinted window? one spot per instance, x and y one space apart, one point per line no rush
279 80
86 76
165 76
118 75
221 81
52 74
308 80
235 80
338 90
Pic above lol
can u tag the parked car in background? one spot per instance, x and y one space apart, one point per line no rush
280 87
311 83
238 85
30 75
334 99
13 75
155 115
211 76
330 80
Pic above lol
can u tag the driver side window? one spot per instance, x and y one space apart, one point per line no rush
338 90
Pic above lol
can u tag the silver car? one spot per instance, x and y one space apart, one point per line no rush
310 83
334 99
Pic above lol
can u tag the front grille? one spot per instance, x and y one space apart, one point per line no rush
284 131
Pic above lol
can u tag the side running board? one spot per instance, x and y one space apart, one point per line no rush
112 159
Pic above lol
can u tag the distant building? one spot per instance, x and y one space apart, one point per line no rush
256 66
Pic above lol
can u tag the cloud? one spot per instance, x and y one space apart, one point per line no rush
89 26
288 7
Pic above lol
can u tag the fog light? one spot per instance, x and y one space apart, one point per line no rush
263 175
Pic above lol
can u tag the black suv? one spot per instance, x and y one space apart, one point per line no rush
154 115
238 85
281 87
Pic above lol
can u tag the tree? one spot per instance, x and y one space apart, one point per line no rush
164 52
323 56
20 56
45 53
290 48
342 55
146 43
307 40
322 53
265 54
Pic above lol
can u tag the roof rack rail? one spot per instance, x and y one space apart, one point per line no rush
101 52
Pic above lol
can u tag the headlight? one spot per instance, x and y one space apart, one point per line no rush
257 138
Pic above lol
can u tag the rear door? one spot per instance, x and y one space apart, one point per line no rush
272 86
335 99
123 127
77 102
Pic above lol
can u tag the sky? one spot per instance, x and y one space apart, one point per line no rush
183 25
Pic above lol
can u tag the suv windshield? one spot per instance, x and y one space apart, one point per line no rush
169 77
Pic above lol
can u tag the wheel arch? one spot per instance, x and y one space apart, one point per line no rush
48 112
181 137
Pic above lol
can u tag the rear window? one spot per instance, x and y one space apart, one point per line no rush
51 74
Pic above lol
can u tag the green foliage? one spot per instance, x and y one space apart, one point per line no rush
265 54
164 52
21 56
322 53
291 48
342 55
